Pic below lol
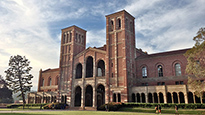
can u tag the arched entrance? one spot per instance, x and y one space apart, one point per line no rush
101 68
114 97
78 96
150 98
89 67
161 98
100 95
155 98
133 97
181 97
89 96
78 73
190 97
175 97
138 97
143 97
169 98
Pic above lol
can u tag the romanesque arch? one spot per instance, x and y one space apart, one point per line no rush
133 97
175 97
138 97
100 95
169 97
89 96
114 97
89 67
155 98
78 72
101 68
143 97
150 98
78 96
161 98
190 97
181 97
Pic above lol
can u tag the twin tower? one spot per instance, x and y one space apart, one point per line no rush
94 76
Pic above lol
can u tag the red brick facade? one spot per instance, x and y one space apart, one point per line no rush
115 72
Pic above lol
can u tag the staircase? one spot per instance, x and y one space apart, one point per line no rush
86 108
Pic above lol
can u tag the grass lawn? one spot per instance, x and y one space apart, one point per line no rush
75 113
167 110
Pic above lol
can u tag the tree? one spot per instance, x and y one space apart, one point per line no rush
6 94
18 77
196 63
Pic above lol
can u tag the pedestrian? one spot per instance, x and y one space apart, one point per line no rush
106 107
176 109
156 109
159 108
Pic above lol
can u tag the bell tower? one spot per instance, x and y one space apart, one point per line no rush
120 40
73 41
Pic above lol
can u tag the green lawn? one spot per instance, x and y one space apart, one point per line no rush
75 113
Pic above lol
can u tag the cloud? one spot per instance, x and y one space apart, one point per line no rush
170 25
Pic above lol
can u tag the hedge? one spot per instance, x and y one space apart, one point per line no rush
55 106
114 106
26 105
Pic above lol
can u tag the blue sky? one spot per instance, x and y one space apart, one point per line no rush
32 28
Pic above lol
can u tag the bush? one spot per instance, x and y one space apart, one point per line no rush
55 106
111 106
26 105
166 105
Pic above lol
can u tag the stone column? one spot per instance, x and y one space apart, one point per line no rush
194 98
165 98
201 99
172 97
94 85
186 98
147 98
153 98
178 98
83 84
158 97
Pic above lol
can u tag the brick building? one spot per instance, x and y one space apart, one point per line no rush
117 72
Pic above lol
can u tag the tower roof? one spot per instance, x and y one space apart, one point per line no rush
122 11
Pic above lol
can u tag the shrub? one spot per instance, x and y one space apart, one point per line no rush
55 106
111 106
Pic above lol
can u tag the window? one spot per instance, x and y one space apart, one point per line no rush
177 69
160 71
43 82
76 37
119 23
111 25
112 74
163 83
160 83
144 72
144 84
70 37
176 83
50 81
181 82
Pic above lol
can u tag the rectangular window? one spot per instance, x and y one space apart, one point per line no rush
176 83
163 83
158 83
181 82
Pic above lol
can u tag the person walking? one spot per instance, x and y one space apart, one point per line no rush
156 109
176 109
159 108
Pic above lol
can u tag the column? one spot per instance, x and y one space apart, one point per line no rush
178 98
172 97
153 98
186 98
194 98
94 85
165 98
83 85
158 97
201 99
146 98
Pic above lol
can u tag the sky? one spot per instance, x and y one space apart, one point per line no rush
32 28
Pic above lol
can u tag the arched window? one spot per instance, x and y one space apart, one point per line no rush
70 37
160 71
119 23
101 68
177 69
111 25
76 37
78 73
50 81
144 72
43 82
